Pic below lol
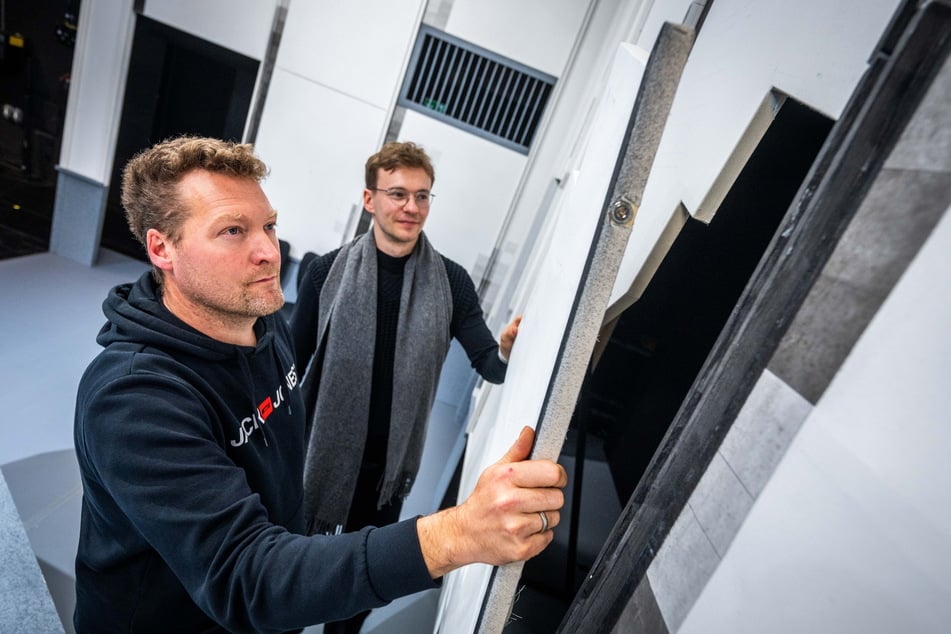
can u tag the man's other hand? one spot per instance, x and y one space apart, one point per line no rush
507 340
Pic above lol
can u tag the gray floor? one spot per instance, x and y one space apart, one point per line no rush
49 318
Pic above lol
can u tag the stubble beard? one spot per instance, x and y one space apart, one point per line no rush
242 305
259 305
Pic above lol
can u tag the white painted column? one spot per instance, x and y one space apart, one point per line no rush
93 110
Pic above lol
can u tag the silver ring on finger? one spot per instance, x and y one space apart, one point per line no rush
544 517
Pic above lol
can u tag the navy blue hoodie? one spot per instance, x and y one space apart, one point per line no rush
191 452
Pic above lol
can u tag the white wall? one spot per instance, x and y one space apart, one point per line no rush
316 163
537 33
337 73
853 532
243 26
356 48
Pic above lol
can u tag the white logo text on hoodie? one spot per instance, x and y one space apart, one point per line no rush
263 411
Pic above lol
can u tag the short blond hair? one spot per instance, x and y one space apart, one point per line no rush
149 181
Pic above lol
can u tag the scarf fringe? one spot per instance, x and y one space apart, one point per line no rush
396 490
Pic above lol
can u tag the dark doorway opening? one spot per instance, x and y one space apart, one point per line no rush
36 56
655 352
177 84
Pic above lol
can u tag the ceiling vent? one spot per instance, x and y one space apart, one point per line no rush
476 90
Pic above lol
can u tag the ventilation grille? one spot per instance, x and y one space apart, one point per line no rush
476 90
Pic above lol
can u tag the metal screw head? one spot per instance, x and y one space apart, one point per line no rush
622 211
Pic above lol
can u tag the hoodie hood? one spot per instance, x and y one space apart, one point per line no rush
136 315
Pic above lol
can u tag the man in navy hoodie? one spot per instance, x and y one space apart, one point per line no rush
190 434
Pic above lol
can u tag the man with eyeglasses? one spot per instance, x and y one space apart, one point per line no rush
374 320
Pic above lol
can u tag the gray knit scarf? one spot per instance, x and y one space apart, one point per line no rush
346 327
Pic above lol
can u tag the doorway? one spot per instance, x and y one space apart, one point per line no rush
177 84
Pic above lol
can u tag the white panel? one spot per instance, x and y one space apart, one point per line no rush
475 182
240 25
538 33
853 533
316 141
550 292
814 50
357 47
97 84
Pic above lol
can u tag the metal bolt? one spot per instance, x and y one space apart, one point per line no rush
622 211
